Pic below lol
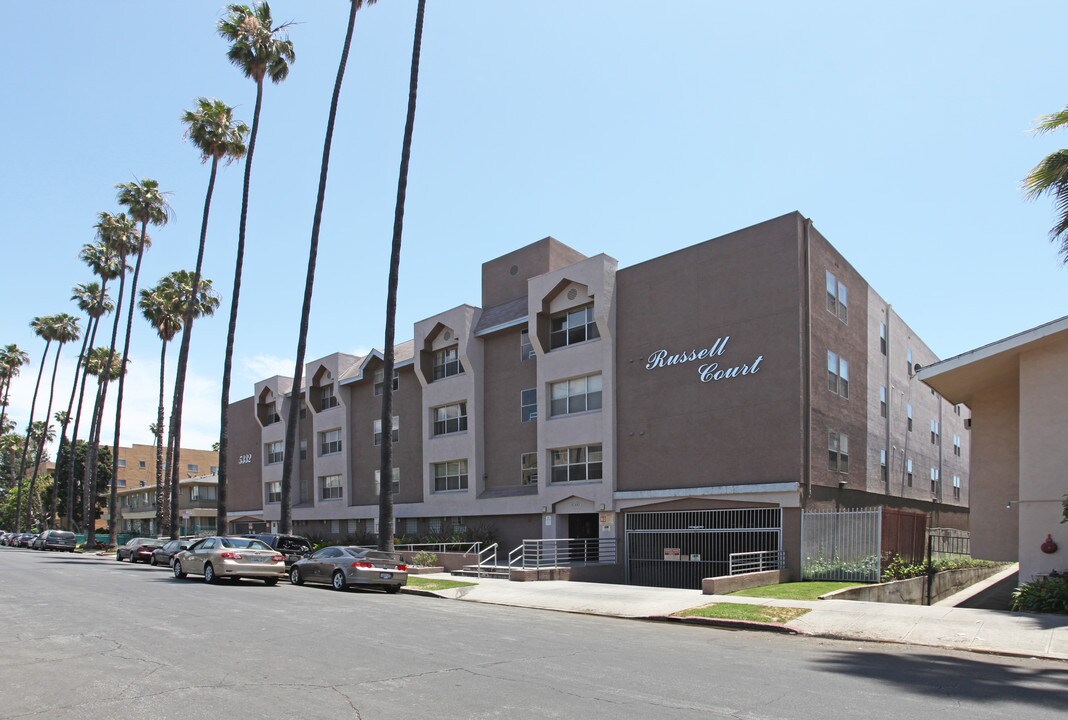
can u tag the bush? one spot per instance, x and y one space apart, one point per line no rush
425 559
826 568
900 569
1049 595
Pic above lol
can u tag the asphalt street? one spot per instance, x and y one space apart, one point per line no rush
93 638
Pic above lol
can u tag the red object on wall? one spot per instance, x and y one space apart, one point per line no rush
1049 547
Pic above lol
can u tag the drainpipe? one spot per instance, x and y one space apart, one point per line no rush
889 404
806 364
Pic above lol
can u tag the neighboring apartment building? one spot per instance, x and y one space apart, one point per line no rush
696 401
196 507
137 464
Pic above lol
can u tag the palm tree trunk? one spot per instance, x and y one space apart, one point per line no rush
183 353
167 483
3 403
44 434
74 431
89 471
385 485
26 442
159 439
231 332
286 522
66 422
113 496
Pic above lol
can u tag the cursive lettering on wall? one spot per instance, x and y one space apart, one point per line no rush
660 358
708 371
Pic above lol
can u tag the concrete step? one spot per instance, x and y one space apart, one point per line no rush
492 571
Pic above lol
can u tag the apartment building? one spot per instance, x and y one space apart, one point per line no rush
137 464
197 509
714 390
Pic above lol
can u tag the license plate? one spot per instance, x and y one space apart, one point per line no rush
385 576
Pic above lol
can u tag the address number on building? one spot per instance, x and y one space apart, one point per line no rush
245 459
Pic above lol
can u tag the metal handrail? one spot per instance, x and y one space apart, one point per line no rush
562 552
757 561
472 548
489 553
515 557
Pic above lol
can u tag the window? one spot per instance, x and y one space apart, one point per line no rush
908 414
192 467
450 419
395 473
576 463
395 433
577 395
528 468
380 381
837 298
450 476
447 362
202 492
882 400
526 350
884 473
838 452
956 487
956 445
330 442
936 481
272 414
327 398
882 338
908 471
122 462
303 449
837 374
330 487
274 492
908 360
571 327
956 409
528 405
214 469
303 411
275 452
141 464
935 435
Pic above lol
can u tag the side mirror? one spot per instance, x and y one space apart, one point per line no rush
183 547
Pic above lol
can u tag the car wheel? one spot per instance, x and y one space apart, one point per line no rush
338 580
177 569
393 589
118 556
270 582
209 575
295 577
152 560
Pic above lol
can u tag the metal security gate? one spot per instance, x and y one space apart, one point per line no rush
680 548
841 544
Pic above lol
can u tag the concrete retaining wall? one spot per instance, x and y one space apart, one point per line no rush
726 584
913 590
448 560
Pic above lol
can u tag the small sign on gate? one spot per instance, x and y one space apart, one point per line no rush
673 554
695 557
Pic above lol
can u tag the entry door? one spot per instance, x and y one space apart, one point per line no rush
582 529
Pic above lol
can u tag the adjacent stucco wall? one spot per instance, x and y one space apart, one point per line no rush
244 459
507 437
995 472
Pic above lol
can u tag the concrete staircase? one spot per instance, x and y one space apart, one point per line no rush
489 571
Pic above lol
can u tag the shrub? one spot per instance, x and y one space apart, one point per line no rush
1049 595
900 569
827 568
425 559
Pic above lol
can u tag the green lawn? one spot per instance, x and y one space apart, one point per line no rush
796 590
433 584
739 611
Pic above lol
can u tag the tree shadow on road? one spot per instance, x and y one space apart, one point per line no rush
954 677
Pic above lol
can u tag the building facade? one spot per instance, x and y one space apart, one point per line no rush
713 391
197 500
137 464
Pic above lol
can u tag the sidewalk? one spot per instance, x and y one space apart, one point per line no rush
940 625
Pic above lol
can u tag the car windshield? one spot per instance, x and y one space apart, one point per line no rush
61 534
244 544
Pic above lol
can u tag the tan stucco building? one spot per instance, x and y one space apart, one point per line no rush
1017 390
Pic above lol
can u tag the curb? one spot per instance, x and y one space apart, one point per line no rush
731 624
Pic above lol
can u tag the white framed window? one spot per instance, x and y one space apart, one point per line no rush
908 415
202 492
447 362
380 381
956 409
572 327
449 419
274 492
908 360
395 473
884 473
330 441
378 430
450 476
528 405
526 349
956 445
303 449
936 481
837 374
935 432
192 467
528 468
956 487
837 298
882 400
577 395
908 471
122 462
213 469
838 451
141 464
330 487
274 452
882 338
327 398
574 464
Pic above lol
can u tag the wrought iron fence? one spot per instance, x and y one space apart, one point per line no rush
949 543
759 561
563 552
841 544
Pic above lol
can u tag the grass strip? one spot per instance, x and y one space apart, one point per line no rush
741 611
435 584
811 590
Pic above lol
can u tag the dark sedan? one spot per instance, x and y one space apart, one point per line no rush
55 540
25 540
138 549
342 567
164 554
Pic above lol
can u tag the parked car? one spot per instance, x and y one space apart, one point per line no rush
58 540
164 554
6 538
294 547
230 557
342 567
138 549
25 539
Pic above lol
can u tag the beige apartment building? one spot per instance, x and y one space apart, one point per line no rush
691 404
197 510
137 465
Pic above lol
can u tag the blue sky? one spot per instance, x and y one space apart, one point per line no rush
619 127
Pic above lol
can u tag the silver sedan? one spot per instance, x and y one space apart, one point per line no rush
342 567
230 557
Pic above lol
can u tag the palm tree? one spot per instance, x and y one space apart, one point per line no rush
42 328
1050 177
163 307
11 361
285 522
64 330
385 496
259 49
214 132
41 433
145 203
102 364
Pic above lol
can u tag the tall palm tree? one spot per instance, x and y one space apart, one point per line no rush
260 49
64 330
132 196
105 367
11 361
164 306
385 495
217 136
42 328
285 522
1050 177
119 234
